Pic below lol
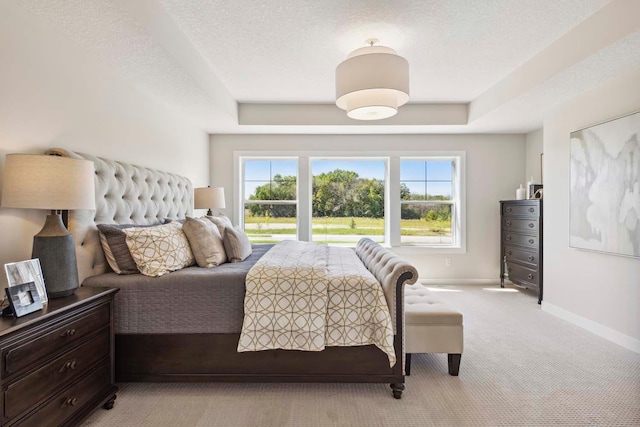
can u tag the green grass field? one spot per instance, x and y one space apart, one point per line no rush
256 226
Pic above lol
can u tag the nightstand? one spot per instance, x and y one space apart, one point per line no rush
57 364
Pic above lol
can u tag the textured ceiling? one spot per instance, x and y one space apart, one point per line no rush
510 60
287 51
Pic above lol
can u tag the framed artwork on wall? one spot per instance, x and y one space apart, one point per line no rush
604 207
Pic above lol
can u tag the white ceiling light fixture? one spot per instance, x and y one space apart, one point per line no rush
372 82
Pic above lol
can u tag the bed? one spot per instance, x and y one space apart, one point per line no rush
173 328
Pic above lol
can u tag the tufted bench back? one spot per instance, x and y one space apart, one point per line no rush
125 194
387 268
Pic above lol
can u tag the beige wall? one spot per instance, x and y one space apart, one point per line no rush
495 168
53 94
598 291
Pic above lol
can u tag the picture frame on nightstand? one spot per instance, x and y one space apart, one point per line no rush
24 299
26 272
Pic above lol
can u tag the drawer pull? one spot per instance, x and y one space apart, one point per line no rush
530 257
532 241
530 276
508 223
509 237
72 401
508 252
531 225
508 209
68 333
532 210
69 364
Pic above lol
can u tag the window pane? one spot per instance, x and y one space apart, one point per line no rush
439 190
412 170
438 170
426 224
347 201
270 223
257 170
412 190
270 179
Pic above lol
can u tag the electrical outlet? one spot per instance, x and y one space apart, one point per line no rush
447 262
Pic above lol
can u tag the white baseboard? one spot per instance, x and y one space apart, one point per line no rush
626 341
460 281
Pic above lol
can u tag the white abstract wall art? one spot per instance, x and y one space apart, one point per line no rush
604 208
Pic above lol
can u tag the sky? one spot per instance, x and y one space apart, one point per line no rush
433 177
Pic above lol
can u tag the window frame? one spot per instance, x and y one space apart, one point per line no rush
239 219
392 191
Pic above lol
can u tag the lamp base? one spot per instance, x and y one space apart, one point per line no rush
55 248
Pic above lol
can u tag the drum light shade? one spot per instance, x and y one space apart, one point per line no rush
372 83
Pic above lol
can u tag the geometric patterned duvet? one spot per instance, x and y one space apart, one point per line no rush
305 296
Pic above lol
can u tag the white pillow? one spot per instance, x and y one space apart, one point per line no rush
221 221
206 242
159 250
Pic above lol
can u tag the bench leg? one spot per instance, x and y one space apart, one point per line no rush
454 363
407 364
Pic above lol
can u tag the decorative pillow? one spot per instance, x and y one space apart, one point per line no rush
159 250
205 240
221 221
114 244
236 244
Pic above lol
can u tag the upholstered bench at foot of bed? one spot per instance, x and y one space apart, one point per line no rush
431 327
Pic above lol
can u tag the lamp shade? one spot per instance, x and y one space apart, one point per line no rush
209 198
372 83
35 181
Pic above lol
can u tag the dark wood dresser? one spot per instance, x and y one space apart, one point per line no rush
58 363
521 243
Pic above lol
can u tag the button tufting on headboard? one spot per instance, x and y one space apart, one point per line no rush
125 193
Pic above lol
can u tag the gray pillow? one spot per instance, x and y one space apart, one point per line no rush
114 244
236 244
205 241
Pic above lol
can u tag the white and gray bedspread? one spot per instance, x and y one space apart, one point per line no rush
305 296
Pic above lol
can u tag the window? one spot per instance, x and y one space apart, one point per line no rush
347 200
402 199
270 199
427 201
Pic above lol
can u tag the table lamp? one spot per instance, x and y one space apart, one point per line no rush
34 181
209 198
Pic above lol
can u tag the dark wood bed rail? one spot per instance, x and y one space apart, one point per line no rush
214 358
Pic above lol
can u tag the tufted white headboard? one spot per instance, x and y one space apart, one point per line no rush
125 194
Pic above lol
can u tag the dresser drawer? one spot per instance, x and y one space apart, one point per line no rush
523 275
71 400
60 371
515 254
516 224
520 240
532 209
68 333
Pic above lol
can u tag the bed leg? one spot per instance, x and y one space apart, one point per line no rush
397 389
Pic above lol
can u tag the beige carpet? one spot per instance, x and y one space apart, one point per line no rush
521 366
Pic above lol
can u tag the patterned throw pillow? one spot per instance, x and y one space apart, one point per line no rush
221 221
206 242
236 244
159 250
114 245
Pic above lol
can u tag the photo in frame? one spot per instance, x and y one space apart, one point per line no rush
27 271
605 187
24 299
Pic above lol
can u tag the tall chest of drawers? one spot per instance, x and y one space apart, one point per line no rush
521 243
57 364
